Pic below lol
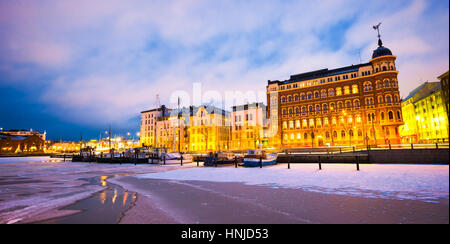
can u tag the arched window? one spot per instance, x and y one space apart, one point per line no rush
382 115
284 112
380 99
317 108
395 98
368 86
310 109
386 83
340 105
338 91
297 124
290 111
388 99
332 107
283 99
309 95
343 134
297 110
346 90
384 68
355 89
399 116
325 107
348 104
391 115
296 97
304 110
356 103
289 98
330 92
324 93
327 134
302 96
316 94
379 85
335 134
350 133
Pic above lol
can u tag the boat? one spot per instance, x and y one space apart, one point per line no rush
222 157
175 158
259 158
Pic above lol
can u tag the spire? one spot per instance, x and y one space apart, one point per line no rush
377 27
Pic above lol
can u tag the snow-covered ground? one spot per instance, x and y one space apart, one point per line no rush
416 182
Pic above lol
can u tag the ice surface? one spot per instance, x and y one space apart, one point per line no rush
417 182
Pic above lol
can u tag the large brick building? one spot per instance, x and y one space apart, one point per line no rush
353 105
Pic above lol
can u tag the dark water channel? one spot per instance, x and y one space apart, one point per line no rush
105 207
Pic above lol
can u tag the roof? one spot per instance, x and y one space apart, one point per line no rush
423 91
320 74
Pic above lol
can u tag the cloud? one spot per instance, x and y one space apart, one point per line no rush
107 60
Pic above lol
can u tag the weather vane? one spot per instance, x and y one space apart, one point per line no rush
377 27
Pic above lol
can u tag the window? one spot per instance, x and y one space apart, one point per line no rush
296 97
291 124
340 105
379 85
386 83
382 115
343 134
290 111
297 110
325 107
302 96
355 89
316 94
283 99
284 112
304 110
305 123
297 124
380 99
284 125
298 136
317 108
311 109
348 104
324 93
330 92
367 86
309 95
388 99
356 103
346 90
289 98
391 115
311 123
338 91
399 116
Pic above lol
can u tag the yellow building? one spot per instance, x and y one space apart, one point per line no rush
208 130
425 115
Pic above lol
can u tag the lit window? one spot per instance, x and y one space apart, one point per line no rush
338 91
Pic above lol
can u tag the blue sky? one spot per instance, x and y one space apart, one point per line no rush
71 67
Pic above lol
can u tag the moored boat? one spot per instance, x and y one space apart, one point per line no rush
257 158
175 158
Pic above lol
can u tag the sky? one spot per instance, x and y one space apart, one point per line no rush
74 68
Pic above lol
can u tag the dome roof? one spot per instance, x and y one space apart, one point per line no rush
381 51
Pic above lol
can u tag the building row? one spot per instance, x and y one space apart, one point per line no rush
353 105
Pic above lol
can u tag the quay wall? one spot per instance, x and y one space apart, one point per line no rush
410 156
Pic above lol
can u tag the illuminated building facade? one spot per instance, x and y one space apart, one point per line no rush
208 130
247 126
425 115
149 121
444 84
353 105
